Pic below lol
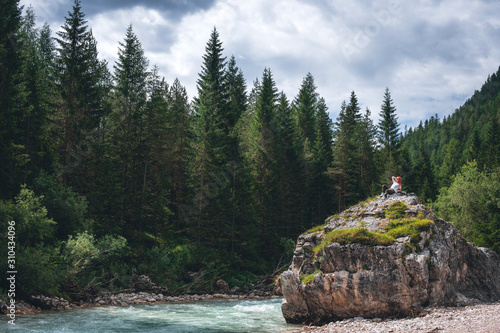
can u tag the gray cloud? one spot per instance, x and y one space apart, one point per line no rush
431 54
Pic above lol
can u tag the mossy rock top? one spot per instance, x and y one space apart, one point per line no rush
374 215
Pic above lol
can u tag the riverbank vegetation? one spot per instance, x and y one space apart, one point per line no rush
108 174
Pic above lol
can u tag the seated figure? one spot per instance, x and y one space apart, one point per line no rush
396 186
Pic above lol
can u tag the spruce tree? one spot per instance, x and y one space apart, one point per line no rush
264 159
13 95
181 139
213 150
366 151
37 146
289 168
83 84
129 125
346 165
322 156
388 136
305 105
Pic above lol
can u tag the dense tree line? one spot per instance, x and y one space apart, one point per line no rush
111 173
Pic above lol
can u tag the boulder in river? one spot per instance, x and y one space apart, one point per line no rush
390 257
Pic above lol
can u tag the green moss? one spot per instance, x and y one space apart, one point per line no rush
309 278
354 235
399 225
409 227
315 229
396 210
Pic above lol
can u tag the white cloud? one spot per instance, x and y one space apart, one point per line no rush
431 54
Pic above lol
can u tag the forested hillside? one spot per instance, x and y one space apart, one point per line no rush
110 173
471 133
456 163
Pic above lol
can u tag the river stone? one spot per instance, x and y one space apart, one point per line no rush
356 280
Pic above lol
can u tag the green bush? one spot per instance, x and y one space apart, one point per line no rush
33 226
66 207
42 270
472 204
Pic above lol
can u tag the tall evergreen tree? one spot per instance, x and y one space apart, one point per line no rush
342 152
264 159
83 83
322 157
305 109
290 208
213 150
388 129
366 150
37 147
129 124
181 139
13 95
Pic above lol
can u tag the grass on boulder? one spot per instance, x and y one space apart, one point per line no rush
308 278
408 227
354 235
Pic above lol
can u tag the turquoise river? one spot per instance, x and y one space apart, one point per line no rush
214 316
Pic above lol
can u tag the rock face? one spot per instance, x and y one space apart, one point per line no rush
329 281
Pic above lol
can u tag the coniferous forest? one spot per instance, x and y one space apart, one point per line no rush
109 173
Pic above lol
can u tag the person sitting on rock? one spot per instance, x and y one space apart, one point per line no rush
396 187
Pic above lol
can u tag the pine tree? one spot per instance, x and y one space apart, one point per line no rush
366 150
289 168
305 109
13 95
83 84
181 139
264 159
129 124
346 165
212 150
388 129
322 156
37 147
240 203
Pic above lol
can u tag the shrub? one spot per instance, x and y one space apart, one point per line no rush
472 204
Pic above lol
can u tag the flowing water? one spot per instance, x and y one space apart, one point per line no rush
214 316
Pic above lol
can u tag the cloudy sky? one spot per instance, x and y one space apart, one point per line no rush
432 54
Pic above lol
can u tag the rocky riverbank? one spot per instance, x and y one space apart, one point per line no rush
141 291
481 318
40 303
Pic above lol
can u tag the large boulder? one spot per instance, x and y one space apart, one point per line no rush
422 261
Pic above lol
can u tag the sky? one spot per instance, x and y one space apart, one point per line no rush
431 54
